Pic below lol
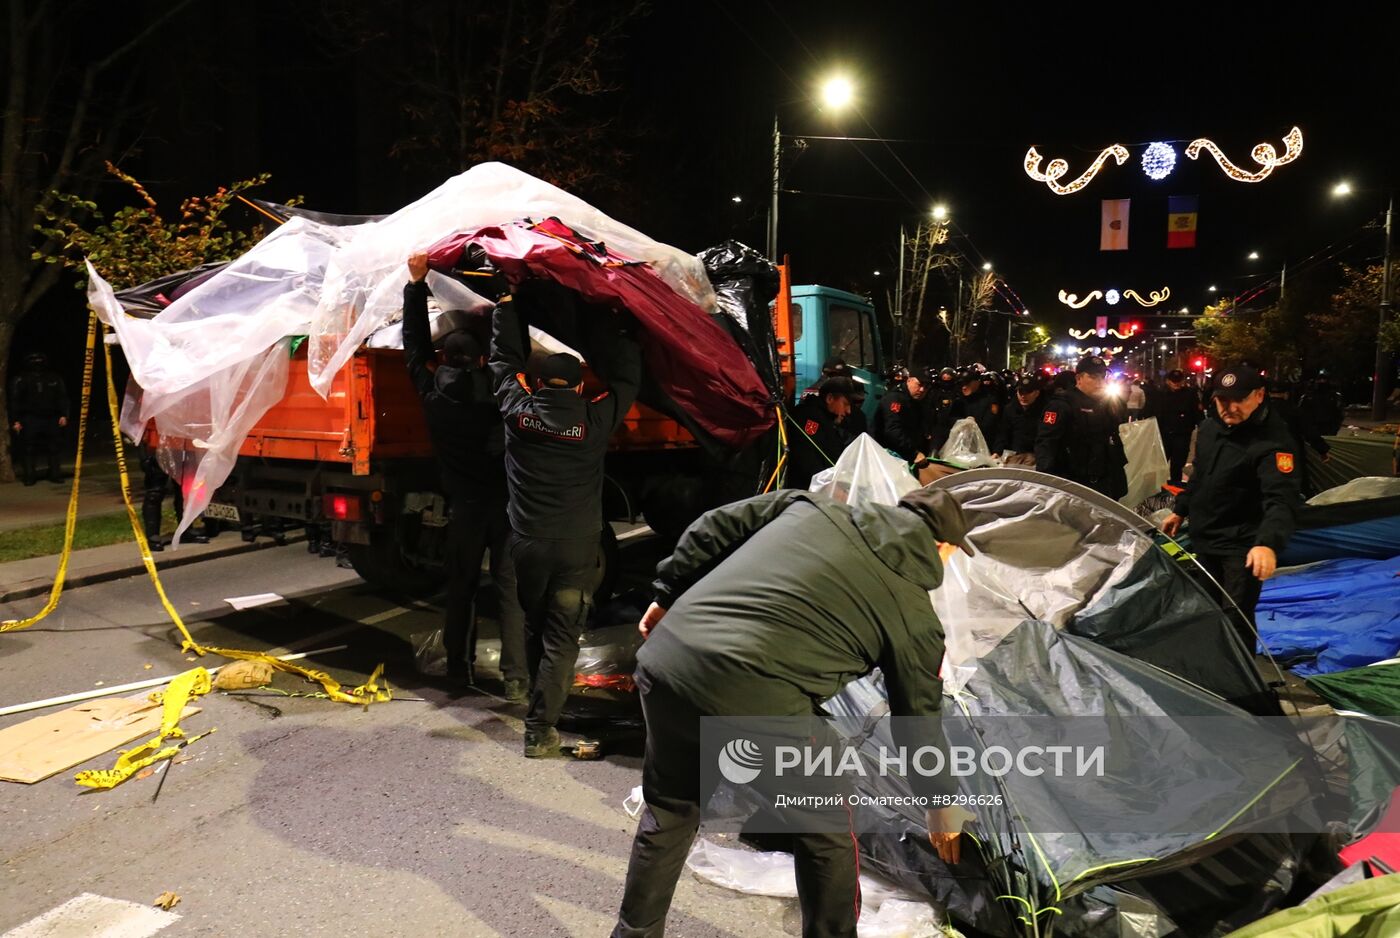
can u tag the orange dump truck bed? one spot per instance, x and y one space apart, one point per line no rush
373 412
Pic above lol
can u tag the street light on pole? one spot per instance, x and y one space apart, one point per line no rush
1382 365
837 93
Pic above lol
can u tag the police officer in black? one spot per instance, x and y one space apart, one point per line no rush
1178 412
1021 422
1078 437
979 402
835 367
938 406
899 422
38 413
469 441
1243 498
818 438
555 443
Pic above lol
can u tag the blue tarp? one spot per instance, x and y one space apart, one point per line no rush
1332 616
1375 538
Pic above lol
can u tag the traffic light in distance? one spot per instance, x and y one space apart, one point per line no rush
1198 364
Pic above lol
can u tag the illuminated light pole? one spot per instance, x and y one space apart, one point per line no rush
837 93
1382 364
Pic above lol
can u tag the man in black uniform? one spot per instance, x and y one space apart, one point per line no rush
1021 423
555 443
938 410
1078 437
469 440
822 438
768 607
1303 431
854 423
899 423
1178 412
1243 498
38 412
979 403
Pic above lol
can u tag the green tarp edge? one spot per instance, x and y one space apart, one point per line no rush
1368 909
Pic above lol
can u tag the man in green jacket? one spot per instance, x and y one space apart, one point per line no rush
768 607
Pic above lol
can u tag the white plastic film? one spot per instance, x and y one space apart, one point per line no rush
1147 467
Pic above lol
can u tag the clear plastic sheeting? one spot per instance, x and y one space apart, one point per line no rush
865 473
363 281
212 362
1147 467
966 447
886 911
1359 490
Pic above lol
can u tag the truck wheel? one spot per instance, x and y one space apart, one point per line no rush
672 503
381 564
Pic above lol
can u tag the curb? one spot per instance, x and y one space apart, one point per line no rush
37 586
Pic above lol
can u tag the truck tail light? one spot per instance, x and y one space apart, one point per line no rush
341 507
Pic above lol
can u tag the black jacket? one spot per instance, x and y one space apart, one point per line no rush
1244 491
1177 412
1078 440
463 419
938 413
814 444
777 602
899 424
1020 426
38 393
555 438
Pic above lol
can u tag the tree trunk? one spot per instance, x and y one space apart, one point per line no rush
7 334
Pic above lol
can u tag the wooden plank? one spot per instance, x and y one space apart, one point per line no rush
36 749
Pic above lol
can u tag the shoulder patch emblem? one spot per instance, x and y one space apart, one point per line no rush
1284 461
811 427
1050 417
895 406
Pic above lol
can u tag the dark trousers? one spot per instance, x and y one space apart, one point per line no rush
1237 583
1178 447
555 580
474 528
41 435
155 485
828 885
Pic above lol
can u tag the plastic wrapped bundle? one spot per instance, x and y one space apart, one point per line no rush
966 447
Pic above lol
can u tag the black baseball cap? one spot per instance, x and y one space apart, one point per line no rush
836 366
1176 374
1091 365
836 384
1236 382
1028 383
561 370
462 347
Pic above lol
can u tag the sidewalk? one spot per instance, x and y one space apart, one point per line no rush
46 502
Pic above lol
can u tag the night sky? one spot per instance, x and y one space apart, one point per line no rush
250 87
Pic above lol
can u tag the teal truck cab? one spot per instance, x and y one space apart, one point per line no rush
829 323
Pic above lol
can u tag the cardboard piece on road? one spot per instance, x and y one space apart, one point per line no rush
250 602
35 749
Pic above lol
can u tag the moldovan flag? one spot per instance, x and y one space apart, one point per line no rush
1114 234
1181 221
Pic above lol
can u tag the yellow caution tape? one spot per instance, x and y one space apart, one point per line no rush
177 694
365 694
71 518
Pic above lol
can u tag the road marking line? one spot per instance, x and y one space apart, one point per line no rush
93 916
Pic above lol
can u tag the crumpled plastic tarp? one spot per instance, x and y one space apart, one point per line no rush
213 361
865 473
1147 468
886 911
1357 490
966 447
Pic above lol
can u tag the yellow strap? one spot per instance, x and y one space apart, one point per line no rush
71 519
173 700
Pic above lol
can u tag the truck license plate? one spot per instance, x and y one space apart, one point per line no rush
221 512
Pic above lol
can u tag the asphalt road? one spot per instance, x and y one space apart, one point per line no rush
406 818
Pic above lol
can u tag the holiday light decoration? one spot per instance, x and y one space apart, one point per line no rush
1059 167
1086 333
1074 302
1264 154
1158 160
1157 296
1113 297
